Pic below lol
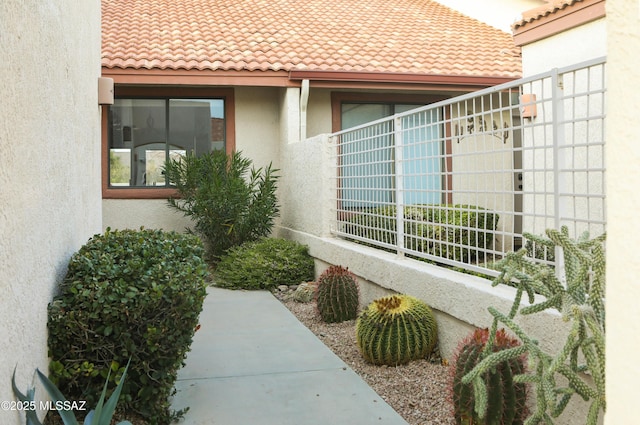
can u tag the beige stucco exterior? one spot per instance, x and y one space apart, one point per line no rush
578 44
623 197
49 168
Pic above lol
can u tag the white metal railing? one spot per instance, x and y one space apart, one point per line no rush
458 182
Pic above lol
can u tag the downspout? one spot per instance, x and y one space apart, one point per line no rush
304 100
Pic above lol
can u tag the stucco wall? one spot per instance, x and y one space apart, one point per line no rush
49 168
623 180
585 42
136 213
258 124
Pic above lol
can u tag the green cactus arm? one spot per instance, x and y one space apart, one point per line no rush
513 326
562 239
558 408
595 364
553 302
481 396
577 384
492 361
597 290
594 412
525 378
598 338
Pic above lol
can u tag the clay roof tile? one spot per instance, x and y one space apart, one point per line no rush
404 36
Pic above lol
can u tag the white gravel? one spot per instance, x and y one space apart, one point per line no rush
418 391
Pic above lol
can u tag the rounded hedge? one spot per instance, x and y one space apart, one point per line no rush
265 264
128 295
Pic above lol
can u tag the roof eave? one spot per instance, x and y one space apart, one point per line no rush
318 79
557 21
320 76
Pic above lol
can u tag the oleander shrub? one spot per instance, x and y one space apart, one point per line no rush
127 295
230 201
265 264
439 230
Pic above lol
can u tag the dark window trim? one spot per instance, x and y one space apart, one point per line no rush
338 98
162 93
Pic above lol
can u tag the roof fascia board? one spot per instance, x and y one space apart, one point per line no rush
318 79
561 20
198 78
331 77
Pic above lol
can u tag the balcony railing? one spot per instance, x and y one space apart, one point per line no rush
459 182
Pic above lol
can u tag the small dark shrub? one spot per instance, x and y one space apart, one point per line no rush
265 264
127 294
230 201
434 229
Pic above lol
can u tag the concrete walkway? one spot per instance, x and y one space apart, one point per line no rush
253 363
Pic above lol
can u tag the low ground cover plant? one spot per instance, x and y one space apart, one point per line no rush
230 201
127 295
265 264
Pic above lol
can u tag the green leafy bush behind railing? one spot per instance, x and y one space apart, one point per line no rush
457 232
127 294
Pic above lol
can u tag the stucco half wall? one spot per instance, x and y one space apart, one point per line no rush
49 169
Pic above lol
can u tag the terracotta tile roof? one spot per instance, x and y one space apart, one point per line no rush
550 8
393 36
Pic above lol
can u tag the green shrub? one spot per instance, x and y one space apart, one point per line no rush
230 201
438 230
265 264
127 294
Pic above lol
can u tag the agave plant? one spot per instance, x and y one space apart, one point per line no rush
101 415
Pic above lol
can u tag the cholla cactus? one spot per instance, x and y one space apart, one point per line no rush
581 302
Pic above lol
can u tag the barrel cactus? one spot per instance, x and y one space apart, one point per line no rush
506 404
396 329
337 295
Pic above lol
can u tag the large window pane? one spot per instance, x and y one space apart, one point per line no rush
196 125
368 172
145 132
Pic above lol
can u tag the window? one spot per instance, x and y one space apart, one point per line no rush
145 133
422 179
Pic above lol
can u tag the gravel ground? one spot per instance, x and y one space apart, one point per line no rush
418 391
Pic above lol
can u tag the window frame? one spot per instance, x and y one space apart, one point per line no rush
338 98
151 192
